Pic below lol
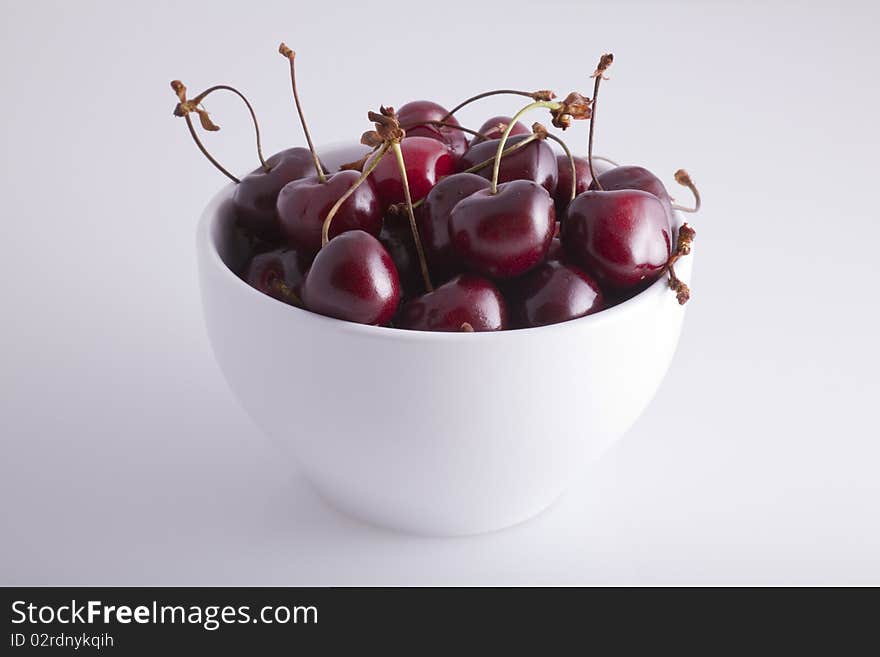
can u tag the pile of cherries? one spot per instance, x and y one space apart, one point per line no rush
444 228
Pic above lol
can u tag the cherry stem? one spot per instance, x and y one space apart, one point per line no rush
444 124
507 151
325 229
211 159
223 87
423 263
498 154
686 236
683 178
598 81
291 56
486 94
570 163
287 292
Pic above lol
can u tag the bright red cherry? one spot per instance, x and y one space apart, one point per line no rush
553 292
304 204
493 129
254 197
433 221
427 160
504 234
353 278
424 111
467 302
583 178
622 237
535 162
278 273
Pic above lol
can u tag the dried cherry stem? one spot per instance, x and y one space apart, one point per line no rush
325 229
686 236
466 327
291 56
543 94
423 263
683 178
570 162
186 106
444 124
500 151
598 75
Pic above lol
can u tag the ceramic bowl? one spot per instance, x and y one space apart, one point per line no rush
432 433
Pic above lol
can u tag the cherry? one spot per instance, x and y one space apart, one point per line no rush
535 161
465 303
353 278
415 116
556 252
433 221
633 177
397 238
493 129
583 179
278 273
622 236
304 204
506 233
551 293
254 198
427 160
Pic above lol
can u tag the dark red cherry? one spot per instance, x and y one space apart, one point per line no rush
553 292
397 238
535 162
423 111
353 278
433 222
254 197
504 234
633 177
556 252
493 129
583 178
622 237
465 300
278 273
304 204
427 160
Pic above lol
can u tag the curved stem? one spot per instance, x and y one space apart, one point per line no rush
423 263
192 131
291 56
444 124
683 178
570 162
325 228
224 87
507 151
606 159
486 94
516 117
598 81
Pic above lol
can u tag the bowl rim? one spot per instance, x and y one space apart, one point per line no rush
206 244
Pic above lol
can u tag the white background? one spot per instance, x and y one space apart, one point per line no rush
125 459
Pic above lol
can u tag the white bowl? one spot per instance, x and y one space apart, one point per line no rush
432 433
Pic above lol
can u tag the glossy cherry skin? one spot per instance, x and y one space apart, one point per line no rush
535 162
491 128
254 197
268 270
583 178
505 234
622 237
304 204
421 111
353 278
553 292
397 238
466 299
433 221
427 160
633 177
